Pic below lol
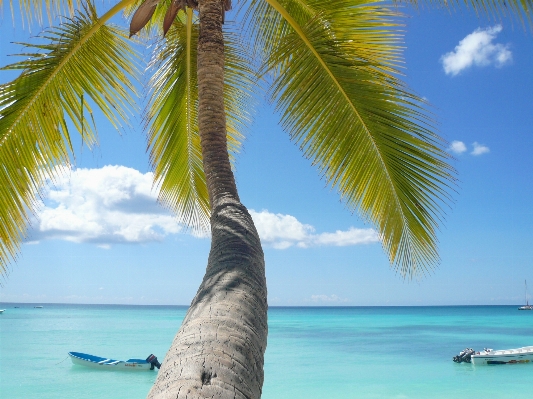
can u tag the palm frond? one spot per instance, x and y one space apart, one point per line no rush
83 62
334 66
174 141
36 10
521 9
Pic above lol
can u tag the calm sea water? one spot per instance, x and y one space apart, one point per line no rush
333 353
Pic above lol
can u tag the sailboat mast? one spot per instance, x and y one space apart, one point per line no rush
527 306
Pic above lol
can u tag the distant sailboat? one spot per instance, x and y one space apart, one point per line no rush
527 305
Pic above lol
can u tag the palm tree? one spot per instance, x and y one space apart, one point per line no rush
331 69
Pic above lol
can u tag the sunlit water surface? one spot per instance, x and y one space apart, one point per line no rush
313 353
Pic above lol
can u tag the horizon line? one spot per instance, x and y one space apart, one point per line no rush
270 306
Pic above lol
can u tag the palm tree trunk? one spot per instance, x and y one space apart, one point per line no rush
219 350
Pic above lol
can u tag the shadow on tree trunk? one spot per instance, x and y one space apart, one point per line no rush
219 349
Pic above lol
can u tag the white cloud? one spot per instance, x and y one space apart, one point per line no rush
328 299
284 231
277 227
109 205
457 147
477 49
116 204
479 149
352 236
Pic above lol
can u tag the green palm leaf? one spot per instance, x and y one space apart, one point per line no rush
174 142
36 9
334 82
523 9
84 60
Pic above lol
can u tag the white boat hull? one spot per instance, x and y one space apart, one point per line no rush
507 356
109 364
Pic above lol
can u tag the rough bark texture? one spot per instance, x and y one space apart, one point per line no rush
219 349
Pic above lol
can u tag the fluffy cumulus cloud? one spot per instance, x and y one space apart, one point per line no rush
116 204
284 231
479 149
477 49
458 147
113 204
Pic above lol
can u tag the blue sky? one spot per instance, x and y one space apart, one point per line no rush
101 238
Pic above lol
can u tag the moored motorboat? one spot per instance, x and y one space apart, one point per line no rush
490 356
2 311
464 356
103 363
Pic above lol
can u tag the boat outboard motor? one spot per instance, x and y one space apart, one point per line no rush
153 361
464 356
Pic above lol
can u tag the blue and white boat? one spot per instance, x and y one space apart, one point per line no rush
2 311
103 363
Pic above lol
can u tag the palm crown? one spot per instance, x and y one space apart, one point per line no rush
332 72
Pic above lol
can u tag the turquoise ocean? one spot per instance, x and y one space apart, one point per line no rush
312 353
